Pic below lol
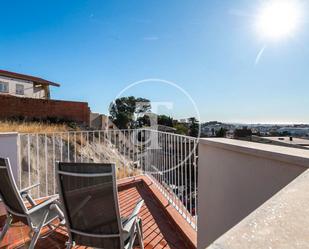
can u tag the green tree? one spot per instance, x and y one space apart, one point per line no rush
142 121
123 109
165 120
221 132
181 129
193 127
160 119
244 132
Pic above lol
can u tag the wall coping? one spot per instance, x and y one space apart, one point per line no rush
281 222
296 156
42 99
8 134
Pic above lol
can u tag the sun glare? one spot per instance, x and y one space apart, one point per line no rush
278 19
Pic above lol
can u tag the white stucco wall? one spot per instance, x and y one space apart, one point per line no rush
9 149
28 88
280 223
236 177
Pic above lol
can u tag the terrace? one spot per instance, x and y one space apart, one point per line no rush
160 231
153 171
184 207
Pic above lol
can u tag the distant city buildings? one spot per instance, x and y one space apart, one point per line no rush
290 141
285 135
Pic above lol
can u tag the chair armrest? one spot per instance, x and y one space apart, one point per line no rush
43 204
24 194
25 190
128 224
137 208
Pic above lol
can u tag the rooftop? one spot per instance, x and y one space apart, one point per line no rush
294 141
27 77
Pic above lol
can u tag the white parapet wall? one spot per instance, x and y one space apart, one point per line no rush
280 223
9 149
236 177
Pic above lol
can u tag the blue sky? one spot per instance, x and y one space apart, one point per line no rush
97 48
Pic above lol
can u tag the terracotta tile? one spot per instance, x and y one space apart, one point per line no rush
158 230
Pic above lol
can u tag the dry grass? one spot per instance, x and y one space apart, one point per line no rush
31 127
124 173
91 150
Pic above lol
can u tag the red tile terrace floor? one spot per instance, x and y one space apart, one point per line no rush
162 225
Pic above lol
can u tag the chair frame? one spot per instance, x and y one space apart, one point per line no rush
137 231
51 203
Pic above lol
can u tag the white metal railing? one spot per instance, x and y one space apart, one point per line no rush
168 159
171 161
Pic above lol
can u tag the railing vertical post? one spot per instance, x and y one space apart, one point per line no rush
195 183
75 146
147 152
61 144
169 167
186 177
81 146
54 161
68 147
166 178
190 178
160 159
38 162
182 174
173 170
29 159
178 174
88 147
99 138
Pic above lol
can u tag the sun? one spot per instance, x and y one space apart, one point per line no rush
278 19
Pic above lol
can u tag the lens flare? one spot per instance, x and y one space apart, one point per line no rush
278 19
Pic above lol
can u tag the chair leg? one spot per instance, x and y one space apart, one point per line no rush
140 233
35 238
37 231
6 227
68 245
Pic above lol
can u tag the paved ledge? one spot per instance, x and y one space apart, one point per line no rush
3 134
279 153
280 223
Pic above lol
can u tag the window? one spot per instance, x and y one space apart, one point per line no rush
4 87
20 89
37 88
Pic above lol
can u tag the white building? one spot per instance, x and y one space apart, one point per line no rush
294 131
21 85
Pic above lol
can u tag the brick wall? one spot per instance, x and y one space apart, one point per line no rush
15 107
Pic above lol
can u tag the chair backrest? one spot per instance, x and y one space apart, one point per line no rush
9 191
89 194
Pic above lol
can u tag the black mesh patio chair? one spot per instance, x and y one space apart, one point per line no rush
89 194
36 216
